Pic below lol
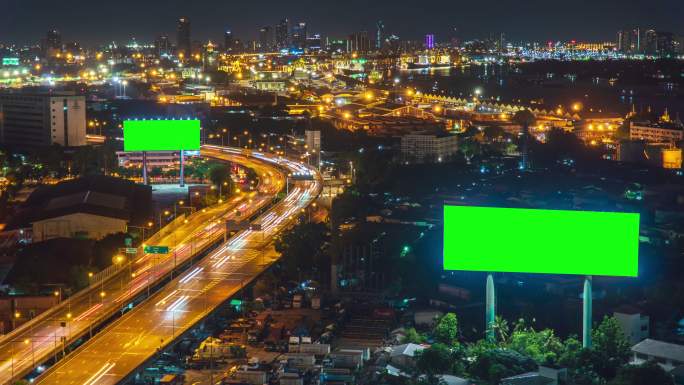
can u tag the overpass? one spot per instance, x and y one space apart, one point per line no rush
130 342
116 289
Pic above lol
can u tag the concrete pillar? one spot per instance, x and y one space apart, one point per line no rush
586 313
490 310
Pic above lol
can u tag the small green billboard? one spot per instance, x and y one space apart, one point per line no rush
161 135
491 239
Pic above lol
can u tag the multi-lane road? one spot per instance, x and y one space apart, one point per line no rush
45 337
122 347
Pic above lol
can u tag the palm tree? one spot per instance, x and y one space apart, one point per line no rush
525 118
501 329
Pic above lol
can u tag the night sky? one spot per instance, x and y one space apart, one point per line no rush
98 21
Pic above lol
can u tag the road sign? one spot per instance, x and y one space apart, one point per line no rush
128 241
156 249
131 250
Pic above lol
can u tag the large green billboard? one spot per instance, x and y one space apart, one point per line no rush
491 239
161 135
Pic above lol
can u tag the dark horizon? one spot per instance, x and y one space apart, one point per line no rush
26 22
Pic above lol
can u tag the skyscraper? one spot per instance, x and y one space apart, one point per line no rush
162 45
183 44
282 34
358 42
52 43
429 41
299 35
629 41
266 38
380 34
231 43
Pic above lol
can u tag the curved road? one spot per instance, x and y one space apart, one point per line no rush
129 342
42 338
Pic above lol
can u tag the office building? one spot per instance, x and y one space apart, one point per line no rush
358 42
629 41
379 34
427 148
282 34
665 130
266 38
34 119
299 35
231 43
183 42
52 43
162 45
313 43
429 41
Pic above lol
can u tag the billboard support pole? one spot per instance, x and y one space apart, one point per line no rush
586 313
182 170
490 310
144 166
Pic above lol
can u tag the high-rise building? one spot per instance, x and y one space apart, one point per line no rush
183 42
42 119
629 41
650 42
665 44
299 35
266 38
282 34
52 43
231 43
162 45
313 42
53 39
379 34
429 41
358 42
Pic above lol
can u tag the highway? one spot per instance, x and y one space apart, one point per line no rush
129 342
45 337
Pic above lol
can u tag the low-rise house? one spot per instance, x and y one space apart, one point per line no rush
667 355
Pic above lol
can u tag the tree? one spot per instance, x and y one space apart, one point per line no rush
611 348
301 248
501 329
219 174
413 336
542 346
647 373
494 364
446 330
437 359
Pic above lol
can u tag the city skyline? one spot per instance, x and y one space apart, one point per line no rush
528 21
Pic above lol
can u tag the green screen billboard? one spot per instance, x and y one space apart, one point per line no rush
161 135
512 240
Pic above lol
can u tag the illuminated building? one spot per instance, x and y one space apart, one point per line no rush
380 34
266 38
425 148
299 35
183 43
358 42
31 119
429 41
162 46
52 43
663 131
282 34
629 41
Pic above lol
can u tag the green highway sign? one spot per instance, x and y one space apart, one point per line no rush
156 249
131 250
491 239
